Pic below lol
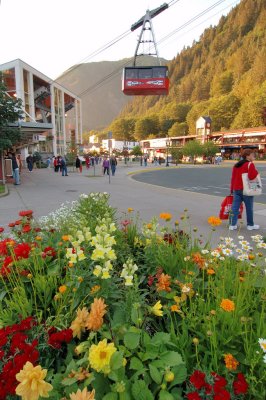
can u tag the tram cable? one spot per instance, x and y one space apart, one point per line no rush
100 83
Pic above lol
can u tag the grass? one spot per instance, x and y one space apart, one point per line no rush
2 188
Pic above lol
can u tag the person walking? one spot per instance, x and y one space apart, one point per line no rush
29 161
245 165
48 162
15 168
106 165
78 164
63 166
113 164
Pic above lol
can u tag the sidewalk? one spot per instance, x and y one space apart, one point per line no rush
44 191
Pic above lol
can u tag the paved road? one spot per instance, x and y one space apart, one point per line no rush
213 180
43 191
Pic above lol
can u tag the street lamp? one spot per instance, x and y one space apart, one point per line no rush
168 144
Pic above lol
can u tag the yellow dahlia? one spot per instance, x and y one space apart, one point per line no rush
32 384
83 395
100 356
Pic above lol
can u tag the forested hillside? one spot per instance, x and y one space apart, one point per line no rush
223 75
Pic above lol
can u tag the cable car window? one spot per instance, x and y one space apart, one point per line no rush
159 72
145 73
131 73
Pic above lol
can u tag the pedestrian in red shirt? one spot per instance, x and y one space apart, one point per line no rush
245 165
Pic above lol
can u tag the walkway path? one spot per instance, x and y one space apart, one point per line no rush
44 191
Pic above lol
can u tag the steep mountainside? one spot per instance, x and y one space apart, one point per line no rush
223 75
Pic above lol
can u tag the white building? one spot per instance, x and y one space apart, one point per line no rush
119 145
52 114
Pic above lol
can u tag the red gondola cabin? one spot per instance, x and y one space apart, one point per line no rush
145 81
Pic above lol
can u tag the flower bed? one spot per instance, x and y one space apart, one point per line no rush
92 308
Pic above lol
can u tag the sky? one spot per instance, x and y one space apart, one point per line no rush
53 35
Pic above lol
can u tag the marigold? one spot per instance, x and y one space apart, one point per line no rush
83 395
163 283
100 356
166 216
95 289
230 362
214 221
210 271
129 210
227 305
62 289
65 238
32 384
95 318
198 259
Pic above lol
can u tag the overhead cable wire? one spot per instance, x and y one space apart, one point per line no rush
100 83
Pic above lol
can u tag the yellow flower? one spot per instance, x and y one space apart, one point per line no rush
105 274
38 238
79 324
32 384
175 308
156 309
100 356
129 210
62 289
80 279
227 305
230 362
214 221
149 226
83 395
166 216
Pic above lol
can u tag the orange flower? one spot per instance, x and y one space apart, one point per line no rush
230 362
163 283
79 324
95 318
227 305
210 271
62 289
65 238
198 259
214 221
95 289
166 216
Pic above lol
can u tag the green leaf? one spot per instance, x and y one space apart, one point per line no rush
155 374
110 396
140 391
160 338
135 363
171 358
131 340
116 360
164 395
69 381
180 375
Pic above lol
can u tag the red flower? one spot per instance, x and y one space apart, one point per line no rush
194 396
26 228
25 213
240 385
22 250
1 229
49 251
18 222
168 238
150 280
222 395
219 382
37 229
198 379
56 339
11 224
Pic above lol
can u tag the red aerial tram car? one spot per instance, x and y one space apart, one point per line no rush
145 81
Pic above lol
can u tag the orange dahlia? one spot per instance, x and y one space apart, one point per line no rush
227 305
95 318
230 362
163 283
